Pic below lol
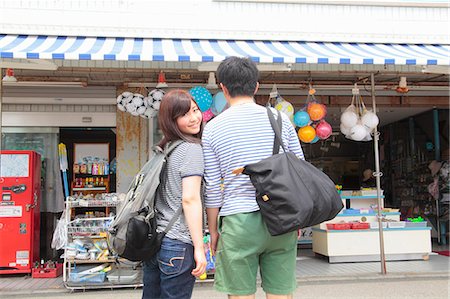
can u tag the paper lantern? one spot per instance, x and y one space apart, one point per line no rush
207 115
306 134
301 118
323 130
316 111
202 97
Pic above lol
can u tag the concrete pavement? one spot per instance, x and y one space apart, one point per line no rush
386 287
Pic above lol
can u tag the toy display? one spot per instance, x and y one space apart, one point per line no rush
357 122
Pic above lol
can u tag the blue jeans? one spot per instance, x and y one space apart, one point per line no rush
168 274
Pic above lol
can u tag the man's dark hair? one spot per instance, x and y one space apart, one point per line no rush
238 75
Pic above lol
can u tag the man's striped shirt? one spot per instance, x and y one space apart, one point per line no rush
240 135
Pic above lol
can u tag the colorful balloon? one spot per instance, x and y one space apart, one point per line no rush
202 96
207 115
306 134
315 140
285 107
301 118
219 103
323 130
316 111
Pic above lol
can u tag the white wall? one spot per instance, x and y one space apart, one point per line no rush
58 119
405 23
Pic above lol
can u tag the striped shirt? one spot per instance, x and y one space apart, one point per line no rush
186 160
240 135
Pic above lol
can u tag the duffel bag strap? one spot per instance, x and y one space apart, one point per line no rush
277 126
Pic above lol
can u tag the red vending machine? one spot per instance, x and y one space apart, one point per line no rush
20 186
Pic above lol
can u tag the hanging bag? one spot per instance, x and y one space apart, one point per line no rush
291 193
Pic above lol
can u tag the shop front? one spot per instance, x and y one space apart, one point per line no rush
135 65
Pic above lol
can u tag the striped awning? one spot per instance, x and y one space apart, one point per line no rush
195 50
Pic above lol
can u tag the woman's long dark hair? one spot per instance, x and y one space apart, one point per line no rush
174 104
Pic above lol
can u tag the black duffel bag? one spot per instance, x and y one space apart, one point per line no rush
291 193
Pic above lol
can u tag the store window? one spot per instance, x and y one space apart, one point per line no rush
45 142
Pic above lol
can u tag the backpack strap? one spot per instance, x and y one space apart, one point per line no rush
174 218
167 151
277 127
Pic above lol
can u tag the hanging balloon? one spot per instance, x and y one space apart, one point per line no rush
285 107
306 134
345 130
219 103
154 98
370 120
202 96
323 130
349 118
301 118
316 111
315 140
358 132
207 115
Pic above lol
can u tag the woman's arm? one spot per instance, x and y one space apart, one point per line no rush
192 207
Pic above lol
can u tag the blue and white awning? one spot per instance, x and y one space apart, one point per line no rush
194 50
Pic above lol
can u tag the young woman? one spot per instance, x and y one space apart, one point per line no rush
171 272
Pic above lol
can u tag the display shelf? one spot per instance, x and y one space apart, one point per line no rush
362 245
87 238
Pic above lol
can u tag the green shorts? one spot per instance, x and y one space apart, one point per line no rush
244 245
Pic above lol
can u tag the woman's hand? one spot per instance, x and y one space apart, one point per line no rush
200 261
214 235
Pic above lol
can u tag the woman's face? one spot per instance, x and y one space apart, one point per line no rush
190 123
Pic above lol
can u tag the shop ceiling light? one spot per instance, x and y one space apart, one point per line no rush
212 81
161 80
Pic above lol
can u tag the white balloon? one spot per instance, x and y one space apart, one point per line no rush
126 94
370 119
121 107
345 130
349 118
138 101
358 132
119 99
128 99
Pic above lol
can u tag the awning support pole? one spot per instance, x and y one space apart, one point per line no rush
377 175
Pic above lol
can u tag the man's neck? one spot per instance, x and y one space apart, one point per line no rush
241 100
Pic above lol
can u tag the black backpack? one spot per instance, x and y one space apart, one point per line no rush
132 234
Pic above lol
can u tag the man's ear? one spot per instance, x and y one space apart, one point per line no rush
225 91
256 89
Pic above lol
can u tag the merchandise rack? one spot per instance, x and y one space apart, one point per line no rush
93 228
362 245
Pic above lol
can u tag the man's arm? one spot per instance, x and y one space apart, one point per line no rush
213 189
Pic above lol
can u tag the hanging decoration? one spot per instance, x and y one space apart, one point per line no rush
311 120
202 97
139 105
357 122
219 103
280 104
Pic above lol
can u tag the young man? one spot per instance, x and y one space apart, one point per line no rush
241 135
